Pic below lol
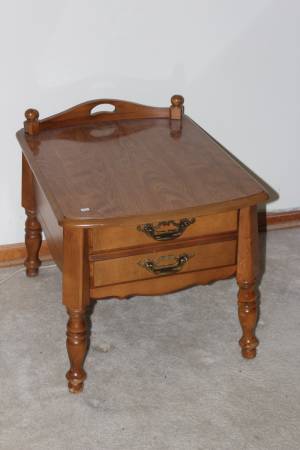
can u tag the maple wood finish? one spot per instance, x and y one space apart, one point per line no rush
33 230
136 201
246 277
117 237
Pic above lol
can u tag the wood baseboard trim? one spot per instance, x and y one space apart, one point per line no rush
14 254
278 220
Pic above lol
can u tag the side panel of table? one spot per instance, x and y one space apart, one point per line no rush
51 229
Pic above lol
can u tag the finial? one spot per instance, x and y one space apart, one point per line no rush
176 110
177 100
31 114
31 124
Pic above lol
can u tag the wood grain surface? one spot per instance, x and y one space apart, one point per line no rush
137 173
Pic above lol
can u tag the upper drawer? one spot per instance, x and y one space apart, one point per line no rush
115 237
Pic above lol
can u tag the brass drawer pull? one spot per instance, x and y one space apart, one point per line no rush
158 269
166 230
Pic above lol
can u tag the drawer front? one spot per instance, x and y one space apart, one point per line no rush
109 238
158 264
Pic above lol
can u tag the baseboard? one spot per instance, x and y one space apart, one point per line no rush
278 220
14 254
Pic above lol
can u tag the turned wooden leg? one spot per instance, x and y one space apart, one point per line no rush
76 299
247 308
77 342
246 276
33 241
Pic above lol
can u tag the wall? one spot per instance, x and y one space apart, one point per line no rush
236 62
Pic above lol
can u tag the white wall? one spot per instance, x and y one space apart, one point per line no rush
236 62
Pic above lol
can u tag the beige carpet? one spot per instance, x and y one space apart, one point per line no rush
164 373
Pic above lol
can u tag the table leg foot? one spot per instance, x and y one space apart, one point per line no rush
249 354
77 342
33 241
75 386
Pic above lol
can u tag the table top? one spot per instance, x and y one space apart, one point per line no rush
127 168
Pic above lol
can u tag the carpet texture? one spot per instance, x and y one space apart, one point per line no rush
164 373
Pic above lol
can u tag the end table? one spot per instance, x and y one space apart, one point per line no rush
136 200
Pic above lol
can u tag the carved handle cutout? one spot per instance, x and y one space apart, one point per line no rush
103 108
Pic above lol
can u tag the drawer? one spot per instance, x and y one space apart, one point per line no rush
117 237
157 264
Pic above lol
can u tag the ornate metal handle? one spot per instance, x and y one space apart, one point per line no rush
166 230
158 269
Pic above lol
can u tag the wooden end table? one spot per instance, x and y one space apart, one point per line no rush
136 201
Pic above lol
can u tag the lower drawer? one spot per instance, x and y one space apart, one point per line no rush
157 264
